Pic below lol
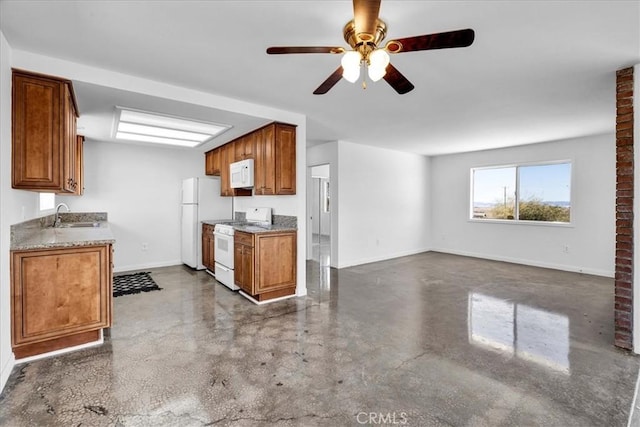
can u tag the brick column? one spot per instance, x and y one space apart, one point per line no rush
624 209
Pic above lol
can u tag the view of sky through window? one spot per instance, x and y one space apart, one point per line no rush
541 192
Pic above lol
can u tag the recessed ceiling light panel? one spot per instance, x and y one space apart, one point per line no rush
144 126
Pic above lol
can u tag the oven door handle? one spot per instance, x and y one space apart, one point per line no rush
228 236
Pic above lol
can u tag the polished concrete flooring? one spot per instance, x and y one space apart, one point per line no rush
429 339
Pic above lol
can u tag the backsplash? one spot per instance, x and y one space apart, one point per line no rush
285 221
282 220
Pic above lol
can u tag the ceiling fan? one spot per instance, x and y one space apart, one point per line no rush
364 33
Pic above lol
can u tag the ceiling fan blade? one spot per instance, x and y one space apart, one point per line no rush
458 38
397 80
365 16
330 82
278 50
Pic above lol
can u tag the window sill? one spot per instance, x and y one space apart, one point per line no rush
522 222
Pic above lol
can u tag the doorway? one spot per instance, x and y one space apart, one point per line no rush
320 226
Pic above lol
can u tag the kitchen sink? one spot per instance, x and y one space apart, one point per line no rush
78 224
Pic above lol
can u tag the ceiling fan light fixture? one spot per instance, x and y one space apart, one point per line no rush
351 61
378 61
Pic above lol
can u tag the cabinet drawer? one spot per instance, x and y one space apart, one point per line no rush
243 238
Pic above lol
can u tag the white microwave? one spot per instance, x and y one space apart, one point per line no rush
241 174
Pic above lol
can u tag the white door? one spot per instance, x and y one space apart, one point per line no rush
190 235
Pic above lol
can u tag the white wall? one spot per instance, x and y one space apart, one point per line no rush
591 237
15 206
383 204
139 187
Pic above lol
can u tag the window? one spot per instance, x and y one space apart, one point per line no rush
540 192
47 201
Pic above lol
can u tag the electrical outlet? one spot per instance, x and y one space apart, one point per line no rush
145 246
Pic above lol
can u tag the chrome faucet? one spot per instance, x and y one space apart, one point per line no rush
56 222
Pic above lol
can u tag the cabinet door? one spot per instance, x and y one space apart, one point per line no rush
275 261
37 149
70 143
59 292
285 161
225 185
208 163
264 179
43 133
250 145
208 247
212 253
212 162
205 246
246 262
243 274
79 189
244 147
238 149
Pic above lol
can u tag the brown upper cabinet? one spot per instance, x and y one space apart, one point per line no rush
44 145
273 147
285 143
244 147
212 162
275 168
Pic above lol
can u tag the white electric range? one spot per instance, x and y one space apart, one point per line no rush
224 250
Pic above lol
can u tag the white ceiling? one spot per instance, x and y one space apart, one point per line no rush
537 71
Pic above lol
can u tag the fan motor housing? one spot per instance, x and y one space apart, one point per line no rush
373 40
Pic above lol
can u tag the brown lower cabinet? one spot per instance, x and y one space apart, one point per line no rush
208 247
60 297
265 264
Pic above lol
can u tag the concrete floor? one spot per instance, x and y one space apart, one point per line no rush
430 339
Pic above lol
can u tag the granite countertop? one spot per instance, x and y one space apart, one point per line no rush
39 233
250 227
217 221
261 229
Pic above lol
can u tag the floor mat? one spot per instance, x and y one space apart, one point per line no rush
135 283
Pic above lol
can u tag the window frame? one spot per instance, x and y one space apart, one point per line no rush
516 219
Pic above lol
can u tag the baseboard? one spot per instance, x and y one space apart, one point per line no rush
123 268
382 258
553 266
6 371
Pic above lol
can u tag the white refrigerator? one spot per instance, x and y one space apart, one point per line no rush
200 201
